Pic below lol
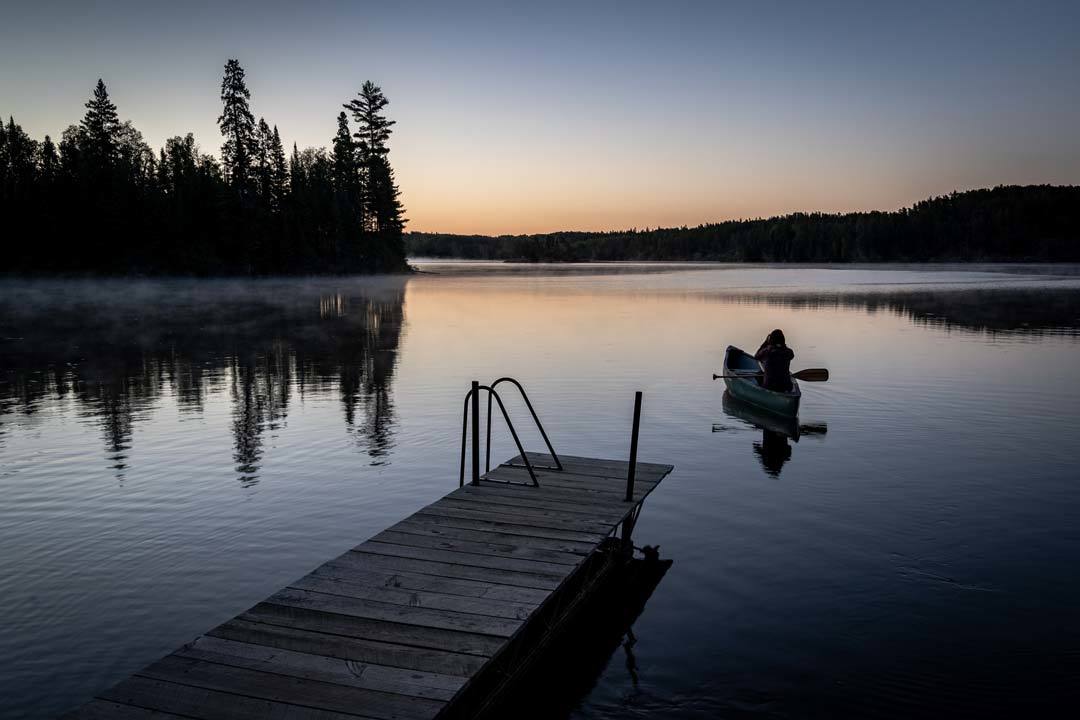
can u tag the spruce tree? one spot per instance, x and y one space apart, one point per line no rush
374 128
382 210
296 172
48 160
3 152
101 125
279 171
344 155
264 141
237 127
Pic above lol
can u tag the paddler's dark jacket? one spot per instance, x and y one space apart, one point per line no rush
777 362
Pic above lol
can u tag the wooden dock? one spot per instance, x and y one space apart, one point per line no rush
431 618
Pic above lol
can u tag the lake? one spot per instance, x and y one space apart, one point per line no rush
172 451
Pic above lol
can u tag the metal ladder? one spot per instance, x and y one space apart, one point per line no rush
473 398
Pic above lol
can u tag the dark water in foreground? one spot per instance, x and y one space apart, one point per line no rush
172 452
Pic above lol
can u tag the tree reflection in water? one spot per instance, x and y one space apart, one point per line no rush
117 349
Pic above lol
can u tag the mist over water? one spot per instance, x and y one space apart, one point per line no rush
173 451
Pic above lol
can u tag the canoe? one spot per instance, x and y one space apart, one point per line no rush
748 389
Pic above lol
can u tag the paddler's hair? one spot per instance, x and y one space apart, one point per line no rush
776 337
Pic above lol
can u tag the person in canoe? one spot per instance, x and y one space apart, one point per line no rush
775 356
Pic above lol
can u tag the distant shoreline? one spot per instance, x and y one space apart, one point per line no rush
1032 223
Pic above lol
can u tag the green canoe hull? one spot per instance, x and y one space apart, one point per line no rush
737 362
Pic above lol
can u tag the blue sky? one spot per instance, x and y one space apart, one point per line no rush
544 116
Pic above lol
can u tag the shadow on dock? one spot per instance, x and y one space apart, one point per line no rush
568 668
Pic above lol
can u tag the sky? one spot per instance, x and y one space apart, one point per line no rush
535 117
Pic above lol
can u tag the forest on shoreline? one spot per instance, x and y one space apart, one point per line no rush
102 202
1039 223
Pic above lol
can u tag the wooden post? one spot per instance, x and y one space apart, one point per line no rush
633 448
475 432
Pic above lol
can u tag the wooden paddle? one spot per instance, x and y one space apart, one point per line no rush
807 375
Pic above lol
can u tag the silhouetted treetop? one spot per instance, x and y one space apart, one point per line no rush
237 125
374 131
101 124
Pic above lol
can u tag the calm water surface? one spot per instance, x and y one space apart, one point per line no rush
171 452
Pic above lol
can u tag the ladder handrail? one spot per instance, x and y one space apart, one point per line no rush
476 388
536 419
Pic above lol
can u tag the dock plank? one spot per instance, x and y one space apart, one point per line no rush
202 704
398 577
98 709
349 648
402 625
554 571
438 601
519 550
415 526
320 667
368 629
479 520
570 508
494 576
290 690
404 614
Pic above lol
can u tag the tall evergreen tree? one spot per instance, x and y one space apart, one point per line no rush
237 126
344 154
101 125
382 209
3 150
296 172
374 131
48 160
348 196
264 141
279 171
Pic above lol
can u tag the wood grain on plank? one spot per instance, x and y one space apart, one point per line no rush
420 526
494 576
362 570
405 614
479 521
350 648
98 709
291 690
320 667
368 629
415 598
204 704
555 571
517 550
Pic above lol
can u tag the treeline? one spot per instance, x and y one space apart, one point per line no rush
100 201
1006 223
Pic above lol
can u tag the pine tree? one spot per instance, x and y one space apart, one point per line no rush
296 172
237 127
101 125
344 155
20 157
279 171
382 210
264 141
3 152
374 128
48 160
385 199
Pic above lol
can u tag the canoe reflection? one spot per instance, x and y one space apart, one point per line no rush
774 449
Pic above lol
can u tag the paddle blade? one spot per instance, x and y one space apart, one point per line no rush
812 375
